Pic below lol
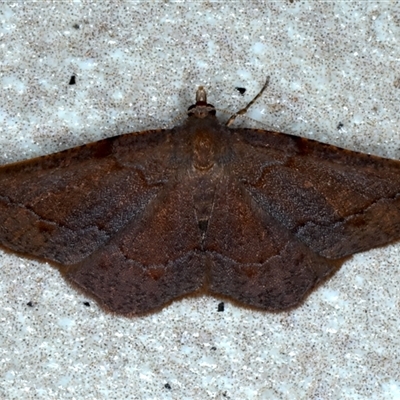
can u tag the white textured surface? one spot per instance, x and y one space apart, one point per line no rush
137 67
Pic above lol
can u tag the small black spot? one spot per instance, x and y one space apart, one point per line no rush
213 348
72 81
241 90
103 148
29 303
45 227
167 386
203 225
76 26
221 307
339 126
86 303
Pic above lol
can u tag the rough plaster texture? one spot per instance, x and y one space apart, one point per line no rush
335 77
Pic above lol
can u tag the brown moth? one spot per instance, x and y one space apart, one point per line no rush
140 219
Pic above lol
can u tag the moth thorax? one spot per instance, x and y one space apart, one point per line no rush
203 151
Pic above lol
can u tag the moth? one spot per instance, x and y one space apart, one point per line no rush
141 219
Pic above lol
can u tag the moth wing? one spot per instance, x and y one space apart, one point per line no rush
148 262
65 206
335 201
254 259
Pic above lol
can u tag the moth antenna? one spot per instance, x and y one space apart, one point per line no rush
244 110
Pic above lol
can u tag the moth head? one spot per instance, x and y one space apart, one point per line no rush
201 109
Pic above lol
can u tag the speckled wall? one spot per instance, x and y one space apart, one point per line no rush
335 76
